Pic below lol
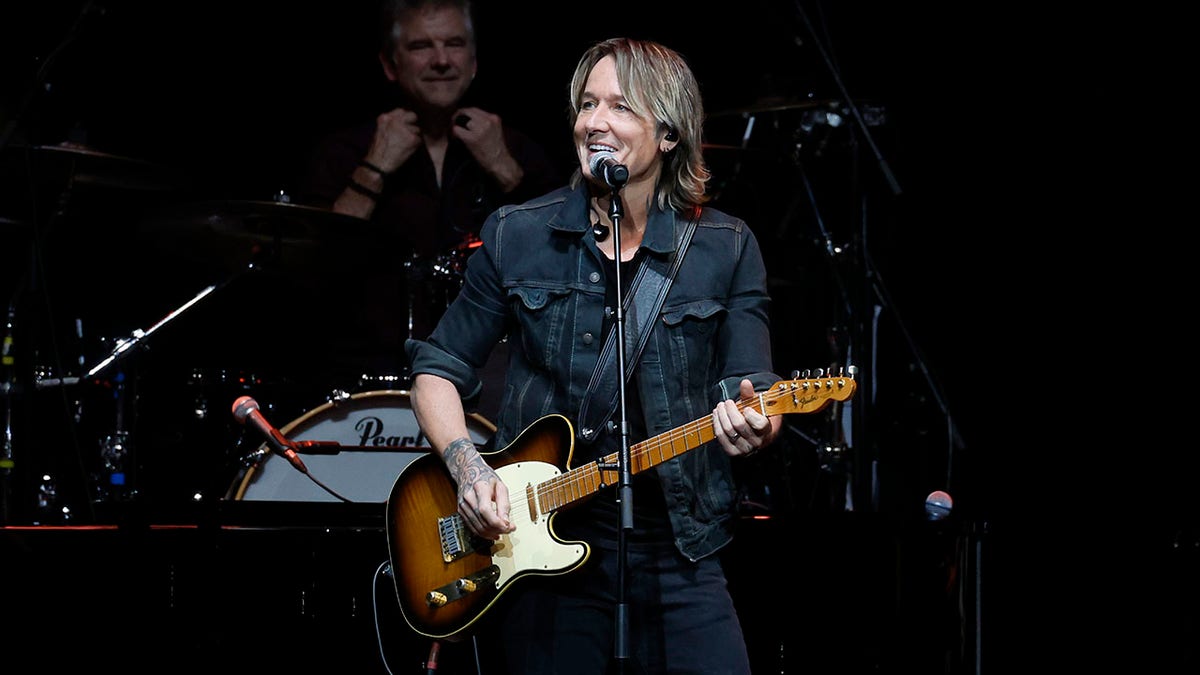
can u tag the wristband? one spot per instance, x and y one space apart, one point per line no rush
363 189
367 165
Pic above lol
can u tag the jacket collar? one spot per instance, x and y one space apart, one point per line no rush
660 226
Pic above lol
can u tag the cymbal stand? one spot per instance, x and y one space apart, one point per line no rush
874 297
41 82
138 336
736 172
116 449
862 321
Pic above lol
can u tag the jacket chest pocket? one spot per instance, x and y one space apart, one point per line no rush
691 329
540 315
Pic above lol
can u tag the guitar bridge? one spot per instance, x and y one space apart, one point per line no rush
460 588
457 540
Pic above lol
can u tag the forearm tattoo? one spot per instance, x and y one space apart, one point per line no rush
466 464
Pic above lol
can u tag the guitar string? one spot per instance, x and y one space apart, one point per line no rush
538 496
561 489
549 495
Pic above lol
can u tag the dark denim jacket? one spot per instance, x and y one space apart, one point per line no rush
538 278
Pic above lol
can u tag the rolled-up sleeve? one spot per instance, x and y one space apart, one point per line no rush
471 326
429 358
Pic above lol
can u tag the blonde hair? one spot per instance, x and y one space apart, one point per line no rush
657 81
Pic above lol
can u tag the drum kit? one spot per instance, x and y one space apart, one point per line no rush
128 337
133 328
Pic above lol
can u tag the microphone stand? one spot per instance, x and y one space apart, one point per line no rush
858 118
625 479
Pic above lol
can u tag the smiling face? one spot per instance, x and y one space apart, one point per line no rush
607 123
433 59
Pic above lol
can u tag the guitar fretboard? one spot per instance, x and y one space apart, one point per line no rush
784 397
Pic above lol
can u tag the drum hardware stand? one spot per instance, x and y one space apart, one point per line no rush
8 385
117 448
415 274
368 382
115 451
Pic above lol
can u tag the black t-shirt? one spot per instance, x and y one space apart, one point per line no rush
597 519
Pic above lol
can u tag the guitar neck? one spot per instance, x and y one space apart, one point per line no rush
788 396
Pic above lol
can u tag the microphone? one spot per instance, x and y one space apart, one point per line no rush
938 505
245 409
604 166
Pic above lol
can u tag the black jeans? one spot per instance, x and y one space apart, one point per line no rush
681 619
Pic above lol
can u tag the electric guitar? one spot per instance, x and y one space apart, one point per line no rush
446 578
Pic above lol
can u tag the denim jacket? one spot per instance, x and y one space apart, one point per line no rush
538 278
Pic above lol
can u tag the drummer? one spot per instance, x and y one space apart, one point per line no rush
431 165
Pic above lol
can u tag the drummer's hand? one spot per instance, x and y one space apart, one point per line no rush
482 496
483 134
397 137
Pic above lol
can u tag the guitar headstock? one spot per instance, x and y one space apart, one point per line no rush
809 394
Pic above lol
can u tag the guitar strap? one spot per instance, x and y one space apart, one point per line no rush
646 295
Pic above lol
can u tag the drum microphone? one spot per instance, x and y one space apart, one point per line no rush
245 409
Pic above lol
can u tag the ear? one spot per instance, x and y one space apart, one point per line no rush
389 66
669 140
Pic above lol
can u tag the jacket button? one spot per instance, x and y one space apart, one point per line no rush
587 338
594 277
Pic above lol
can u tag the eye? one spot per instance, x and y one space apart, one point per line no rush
587 105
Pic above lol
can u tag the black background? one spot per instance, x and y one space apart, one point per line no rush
232 97
964 258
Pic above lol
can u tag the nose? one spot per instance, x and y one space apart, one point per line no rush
597 119
441 57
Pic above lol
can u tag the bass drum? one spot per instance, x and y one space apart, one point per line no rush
379 436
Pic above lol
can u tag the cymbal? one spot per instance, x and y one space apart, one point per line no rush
720 152
7 224
719 147
243 232
769 105
81 165
262 220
